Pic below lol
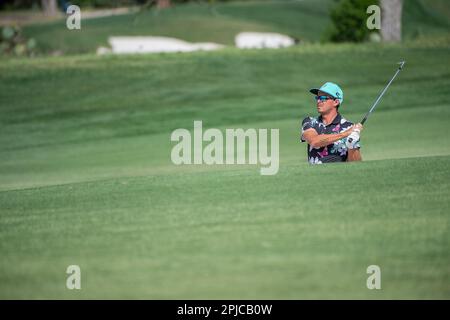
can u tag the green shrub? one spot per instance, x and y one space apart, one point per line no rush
349 21
13 43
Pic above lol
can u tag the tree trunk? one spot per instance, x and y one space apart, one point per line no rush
163 4
391 20
49 7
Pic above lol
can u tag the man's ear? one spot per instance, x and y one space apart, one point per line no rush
336 102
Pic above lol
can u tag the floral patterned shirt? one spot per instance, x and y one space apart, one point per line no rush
335 152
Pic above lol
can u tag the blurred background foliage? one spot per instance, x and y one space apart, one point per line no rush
12 42
35 4
209 21
348 21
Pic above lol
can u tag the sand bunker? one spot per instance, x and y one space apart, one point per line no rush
124 45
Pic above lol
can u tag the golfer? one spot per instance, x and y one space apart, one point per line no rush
327 134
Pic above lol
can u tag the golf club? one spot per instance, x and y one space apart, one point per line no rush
401 63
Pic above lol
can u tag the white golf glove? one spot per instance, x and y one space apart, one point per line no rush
352 139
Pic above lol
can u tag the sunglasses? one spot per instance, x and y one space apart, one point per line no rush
323 98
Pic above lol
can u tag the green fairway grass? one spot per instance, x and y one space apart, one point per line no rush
305 20
235 234
86 177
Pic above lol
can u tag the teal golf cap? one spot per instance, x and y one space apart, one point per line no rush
332 89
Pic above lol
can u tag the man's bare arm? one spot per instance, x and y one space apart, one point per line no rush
321 140
354 155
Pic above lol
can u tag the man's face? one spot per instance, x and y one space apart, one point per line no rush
324 107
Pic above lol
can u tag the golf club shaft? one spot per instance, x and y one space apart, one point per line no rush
382 93
402 63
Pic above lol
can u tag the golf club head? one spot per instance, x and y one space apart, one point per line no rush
401 63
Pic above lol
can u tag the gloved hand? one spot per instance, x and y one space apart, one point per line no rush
353 139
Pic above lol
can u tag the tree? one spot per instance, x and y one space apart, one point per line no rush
49 7
391 20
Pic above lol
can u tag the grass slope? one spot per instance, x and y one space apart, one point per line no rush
305 20
86 177
235 234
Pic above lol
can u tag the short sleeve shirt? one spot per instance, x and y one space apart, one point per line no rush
335 152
